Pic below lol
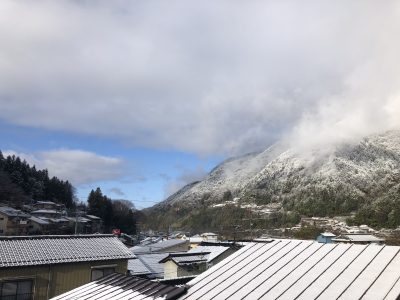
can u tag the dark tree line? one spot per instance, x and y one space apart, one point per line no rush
20 183
114 213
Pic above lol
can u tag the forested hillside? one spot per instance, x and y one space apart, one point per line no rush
21 183
361 179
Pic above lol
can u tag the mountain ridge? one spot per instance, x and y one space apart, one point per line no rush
323 181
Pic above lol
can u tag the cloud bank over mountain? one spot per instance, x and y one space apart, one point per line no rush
219 77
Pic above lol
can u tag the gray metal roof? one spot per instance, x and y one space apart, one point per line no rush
92 217
137 267
357 237
39 220
45 202
186 258
39 250
162 246
45 211
195 258
118 287
11 212
328 234
214 251
295 269
147 264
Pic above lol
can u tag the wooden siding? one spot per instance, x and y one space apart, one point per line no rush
63 277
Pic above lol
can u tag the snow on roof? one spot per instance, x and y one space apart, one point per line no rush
118 286
11 212
357 238
93 217
40 250
46 202
214 251
39 220
328 234
196 240
296 269
186 258
45 211
161 246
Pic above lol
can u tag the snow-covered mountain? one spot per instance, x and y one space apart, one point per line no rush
344 176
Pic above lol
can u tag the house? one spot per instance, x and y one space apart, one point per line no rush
325 237
210 237
196 260
165 246
40 267
47 213
358 238
314 221
13 221
204 237
117 286
96 224
297 269
217 251
195 241
40 226
178 265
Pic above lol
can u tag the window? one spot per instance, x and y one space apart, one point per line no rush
16 290
101 272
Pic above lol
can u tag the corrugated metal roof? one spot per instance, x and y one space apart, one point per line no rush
118 287
294 269
39 250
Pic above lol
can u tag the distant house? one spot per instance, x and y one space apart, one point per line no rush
165 246
13 221
40 226
325 237
358 238
184 264
95 223
209 237
195 261
40 267
295 269
47 213
204 237
117 286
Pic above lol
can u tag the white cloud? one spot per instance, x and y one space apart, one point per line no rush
206 77
186 176
77 166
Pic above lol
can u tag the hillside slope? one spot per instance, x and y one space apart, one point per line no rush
362 177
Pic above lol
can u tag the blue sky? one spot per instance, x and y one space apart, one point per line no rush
146 176
143 97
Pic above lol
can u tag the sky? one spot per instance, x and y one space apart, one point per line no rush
143 97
